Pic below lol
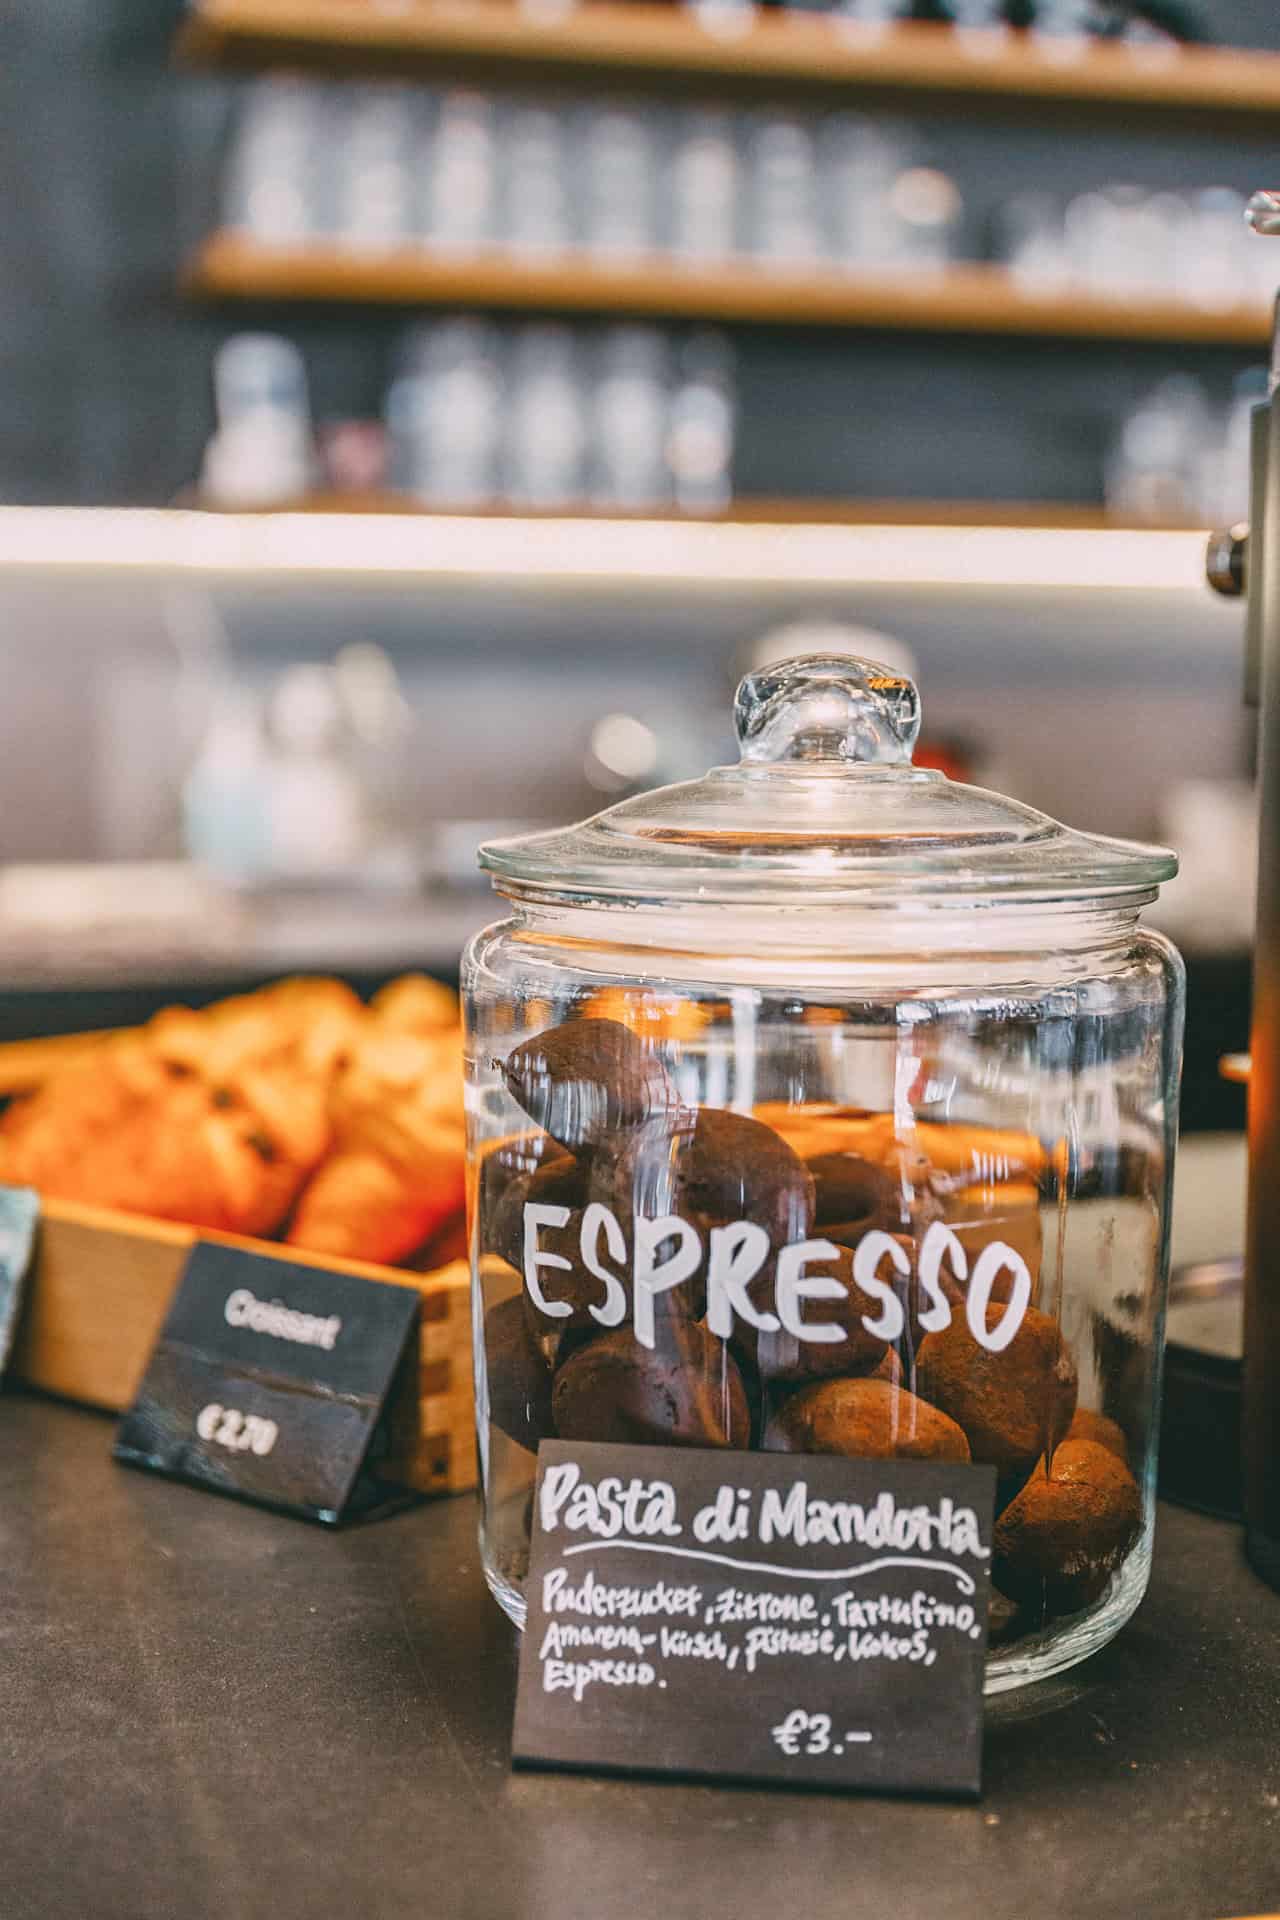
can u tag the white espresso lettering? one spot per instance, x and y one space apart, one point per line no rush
938 1241
536 1257
871 1252
991 1261
650 1277
598 1220
669 1251
794 1285
737 1254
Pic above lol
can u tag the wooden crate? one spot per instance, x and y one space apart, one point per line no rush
101 1285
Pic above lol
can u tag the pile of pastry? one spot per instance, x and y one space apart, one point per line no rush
297 1113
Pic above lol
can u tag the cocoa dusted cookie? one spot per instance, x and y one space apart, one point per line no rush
1059 1541
715 1169
519 1379
1013 1405
685 1392
865 1420
850 1195
1088 1425
589 1082
782 1357
559 1181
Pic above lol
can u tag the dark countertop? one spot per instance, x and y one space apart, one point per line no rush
207 1711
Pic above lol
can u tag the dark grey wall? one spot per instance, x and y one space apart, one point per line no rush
107 160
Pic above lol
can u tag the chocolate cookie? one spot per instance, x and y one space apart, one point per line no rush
782 1357
517 1376
1059 1542
558 1182
686 1392
850 1195
1013 1405
719 1168
865 1420
588 1082
1088 1425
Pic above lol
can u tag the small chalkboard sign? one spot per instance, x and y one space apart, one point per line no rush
754 1616
19 1218
270 1381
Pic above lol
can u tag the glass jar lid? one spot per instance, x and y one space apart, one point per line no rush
824 806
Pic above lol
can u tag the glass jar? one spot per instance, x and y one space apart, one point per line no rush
828 1105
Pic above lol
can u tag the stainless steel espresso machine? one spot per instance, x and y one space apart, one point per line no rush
1246 561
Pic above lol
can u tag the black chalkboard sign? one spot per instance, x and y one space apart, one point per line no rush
777 1617
270 1381
19 1218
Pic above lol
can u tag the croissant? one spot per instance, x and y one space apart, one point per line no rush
315 1023
365 1206
136 1131
397 1174
416 1004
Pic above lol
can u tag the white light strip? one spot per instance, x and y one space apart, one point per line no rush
472 547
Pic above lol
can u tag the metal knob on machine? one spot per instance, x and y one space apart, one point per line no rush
1226 560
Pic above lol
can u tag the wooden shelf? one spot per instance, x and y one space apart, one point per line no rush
776 51
965 299
1037 515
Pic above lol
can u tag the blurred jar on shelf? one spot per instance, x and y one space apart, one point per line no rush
377 139
545 420
926 204
225 795
1124 240
629 421
1062 29
862 162
981 25
784 225
278 182
1215 256
704 187
1030 239
444 415
278 789
459 165
701 426
868 19
535 210
725 19
261 453
619 181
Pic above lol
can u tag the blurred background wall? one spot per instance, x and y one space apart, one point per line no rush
1119 710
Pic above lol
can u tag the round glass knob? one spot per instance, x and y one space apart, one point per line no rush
827 707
